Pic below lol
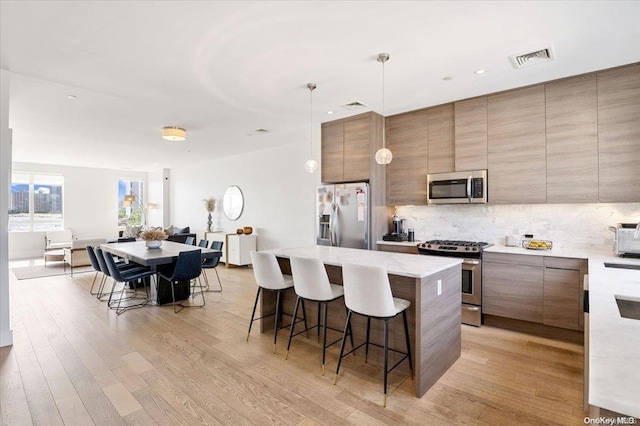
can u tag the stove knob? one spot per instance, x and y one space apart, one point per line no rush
429 246
475 249
466 248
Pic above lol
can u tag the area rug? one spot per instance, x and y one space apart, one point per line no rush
40 271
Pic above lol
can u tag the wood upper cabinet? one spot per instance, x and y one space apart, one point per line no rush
471 134
572 140
332 152
356 149
407 173
346 151
516 146
619 134
441 139
512 286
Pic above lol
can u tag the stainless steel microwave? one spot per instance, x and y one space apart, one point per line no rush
457 187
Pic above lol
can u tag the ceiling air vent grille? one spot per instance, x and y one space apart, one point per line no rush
532 58
262 131
352 106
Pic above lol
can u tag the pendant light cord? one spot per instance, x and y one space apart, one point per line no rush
311 87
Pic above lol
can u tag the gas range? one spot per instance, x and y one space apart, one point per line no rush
453 248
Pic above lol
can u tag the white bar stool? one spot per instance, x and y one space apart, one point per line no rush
311 283
367 292
269 277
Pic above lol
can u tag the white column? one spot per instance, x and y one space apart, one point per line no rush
166 198
6 334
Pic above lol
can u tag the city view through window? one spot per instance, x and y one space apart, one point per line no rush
131 210
36 202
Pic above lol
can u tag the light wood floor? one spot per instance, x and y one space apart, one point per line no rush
74 362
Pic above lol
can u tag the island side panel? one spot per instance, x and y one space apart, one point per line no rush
440 338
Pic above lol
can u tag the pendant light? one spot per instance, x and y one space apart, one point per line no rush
383 155
311 165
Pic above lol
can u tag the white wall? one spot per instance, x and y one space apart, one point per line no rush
278 194
90 205
6 333
582 226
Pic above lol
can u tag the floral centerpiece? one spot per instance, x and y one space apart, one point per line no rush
153 237
210 206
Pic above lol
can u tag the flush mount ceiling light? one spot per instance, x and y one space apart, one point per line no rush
172 133
383 155
480 71
311 165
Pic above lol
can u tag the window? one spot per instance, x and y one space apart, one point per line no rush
36 202
130 203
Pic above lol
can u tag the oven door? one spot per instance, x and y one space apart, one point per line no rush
472 282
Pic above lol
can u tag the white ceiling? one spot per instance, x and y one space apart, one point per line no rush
224 69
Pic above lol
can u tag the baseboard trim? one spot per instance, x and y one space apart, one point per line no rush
6 338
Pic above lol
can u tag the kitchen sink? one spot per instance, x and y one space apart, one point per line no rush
621 266
628 308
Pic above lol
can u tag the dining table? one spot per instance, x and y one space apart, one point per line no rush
166 254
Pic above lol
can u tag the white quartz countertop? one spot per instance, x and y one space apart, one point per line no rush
554 252
614 349
407 265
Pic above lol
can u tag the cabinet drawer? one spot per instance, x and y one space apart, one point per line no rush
514 259
562 263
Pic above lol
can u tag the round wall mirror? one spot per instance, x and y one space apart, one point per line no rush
233 202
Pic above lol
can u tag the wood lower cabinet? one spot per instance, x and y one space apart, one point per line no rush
471 134
541 289
572 140
512 286
516 147
407 173
562 293
619 135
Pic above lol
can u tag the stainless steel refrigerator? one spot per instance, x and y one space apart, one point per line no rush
342 215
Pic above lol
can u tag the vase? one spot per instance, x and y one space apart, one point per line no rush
209 223
153 244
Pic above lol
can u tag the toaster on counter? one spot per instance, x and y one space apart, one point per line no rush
626 243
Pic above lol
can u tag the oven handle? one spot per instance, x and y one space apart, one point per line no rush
471 308
469 189
471 262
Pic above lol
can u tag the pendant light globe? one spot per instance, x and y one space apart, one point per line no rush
311 166
383 155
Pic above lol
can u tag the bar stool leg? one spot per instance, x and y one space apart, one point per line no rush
293 324
277 318
319 317
386 358
406 333
304 314
347 325
253 314
324 335
366 345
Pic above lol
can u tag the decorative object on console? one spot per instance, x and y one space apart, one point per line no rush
311 165
239 231
383 155
172 133
247 230
153 238
209 205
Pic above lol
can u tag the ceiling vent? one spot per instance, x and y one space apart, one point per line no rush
352 106
532 58
262 131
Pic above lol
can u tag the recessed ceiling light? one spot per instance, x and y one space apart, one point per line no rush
329 112
447 78
72 97
481 71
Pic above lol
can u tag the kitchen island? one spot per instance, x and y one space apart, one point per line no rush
431 284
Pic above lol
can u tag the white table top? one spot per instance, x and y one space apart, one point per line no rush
406 265
136 251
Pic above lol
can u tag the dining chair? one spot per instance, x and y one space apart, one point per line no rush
211 263
190 241
203 243
124 276
367 292
102 265
269 277
310 282
188 267
217 245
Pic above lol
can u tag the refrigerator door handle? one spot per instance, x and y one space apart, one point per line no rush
333 225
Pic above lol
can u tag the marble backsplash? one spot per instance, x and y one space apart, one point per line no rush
577 226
